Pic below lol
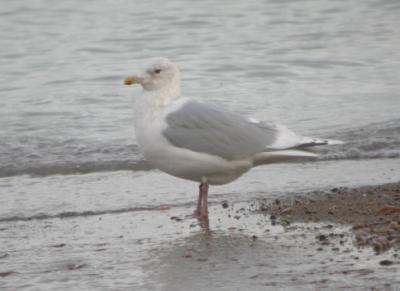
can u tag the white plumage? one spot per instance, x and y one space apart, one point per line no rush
203 143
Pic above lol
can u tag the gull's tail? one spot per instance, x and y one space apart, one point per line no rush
292 147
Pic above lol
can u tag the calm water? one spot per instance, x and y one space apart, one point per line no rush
67 144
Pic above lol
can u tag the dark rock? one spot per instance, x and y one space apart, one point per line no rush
8 273
225 204
3 256
202 259
386 263
59 245
73 266
255 276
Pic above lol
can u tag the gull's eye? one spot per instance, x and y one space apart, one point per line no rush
157 71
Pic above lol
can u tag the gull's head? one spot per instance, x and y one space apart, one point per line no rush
158 74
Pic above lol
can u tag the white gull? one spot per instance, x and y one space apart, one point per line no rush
201 142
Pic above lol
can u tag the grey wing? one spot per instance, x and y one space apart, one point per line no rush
204 128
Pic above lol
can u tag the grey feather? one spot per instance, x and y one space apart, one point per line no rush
204 128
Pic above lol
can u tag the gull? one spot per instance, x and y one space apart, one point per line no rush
202 142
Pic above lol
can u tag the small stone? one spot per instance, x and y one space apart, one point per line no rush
3 256
58 245
225 204
388 209
202 260
73 266
254 276
5 274
386 263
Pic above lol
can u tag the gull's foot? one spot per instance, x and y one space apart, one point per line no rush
196 214
203 216
204 223
200 215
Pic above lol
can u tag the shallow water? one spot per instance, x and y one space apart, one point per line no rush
67 144
148 250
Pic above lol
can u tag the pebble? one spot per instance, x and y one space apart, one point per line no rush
187 255
58 245
5 274
3 256
386 263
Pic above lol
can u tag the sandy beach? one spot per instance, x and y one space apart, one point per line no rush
372 211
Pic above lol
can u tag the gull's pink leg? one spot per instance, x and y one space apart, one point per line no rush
197 212
204 205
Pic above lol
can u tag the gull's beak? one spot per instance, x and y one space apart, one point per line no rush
132 80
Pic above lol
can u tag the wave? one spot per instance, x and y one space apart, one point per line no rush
71 214
48 157
373 141
69 168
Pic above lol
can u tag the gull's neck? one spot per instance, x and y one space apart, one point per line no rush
162 97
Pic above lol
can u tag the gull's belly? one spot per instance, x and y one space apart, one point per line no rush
197 166
192 165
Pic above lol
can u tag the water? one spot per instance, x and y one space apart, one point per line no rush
322 68
67 144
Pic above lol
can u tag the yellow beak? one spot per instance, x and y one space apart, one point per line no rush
131 80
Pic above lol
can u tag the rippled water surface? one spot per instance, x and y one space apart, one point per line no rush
326 68
67 144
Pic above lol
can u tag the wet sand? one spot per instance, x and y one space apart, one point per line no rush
321 240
